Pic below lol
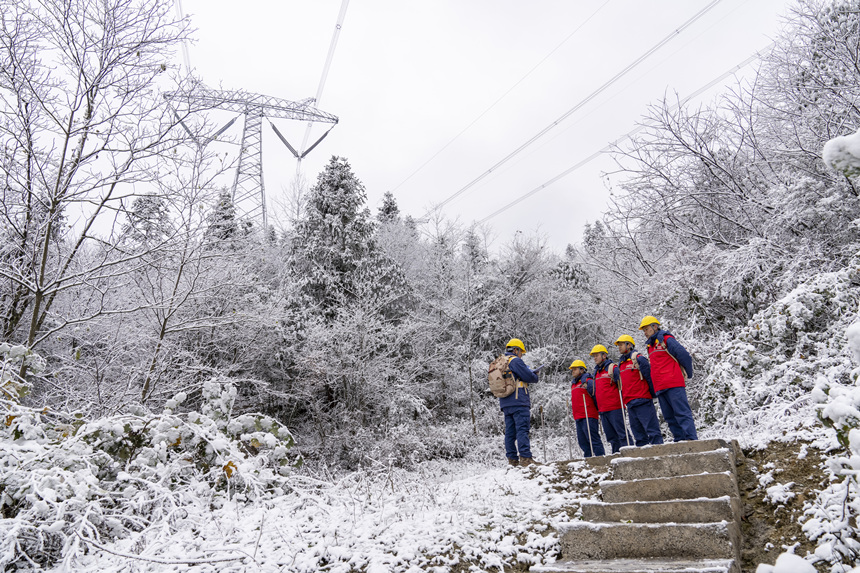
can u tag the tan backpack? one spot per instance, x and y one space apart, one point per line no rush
502 382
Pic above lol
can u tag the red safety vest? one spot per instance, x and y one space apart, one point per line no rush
606 391
581 402
665 370
633 385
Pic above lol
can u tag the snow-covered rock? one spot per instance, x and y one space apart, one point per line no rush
788 563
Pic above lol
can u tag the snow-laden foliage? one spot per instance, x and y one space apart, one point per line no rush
68 483
721 209
832 518
766 373
793 367
12 386
842 153
436 518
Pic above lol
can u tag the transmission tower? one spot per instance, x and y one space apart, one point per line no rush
249 192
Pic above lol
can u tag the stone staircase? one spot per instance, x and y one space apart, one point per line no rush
671 508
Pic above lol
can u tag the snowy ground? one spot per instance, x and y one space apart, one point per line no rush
790 375
417 521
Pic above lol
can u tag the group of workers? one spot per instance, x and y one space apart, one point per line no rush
620 395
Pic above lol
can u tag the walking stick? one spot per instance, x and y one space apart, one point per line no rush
588 426
543 432
569 445
624 418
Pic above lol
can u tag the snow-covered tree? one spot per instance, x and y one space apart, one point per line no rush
333 237
148 222
80 121
388 211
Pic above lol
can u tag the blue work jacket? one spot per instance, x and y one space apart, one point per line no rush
522 373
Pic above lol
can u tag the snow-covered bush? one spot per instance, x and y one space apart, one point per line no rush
772 364
792 368
842 153
66 482
833 516
12 386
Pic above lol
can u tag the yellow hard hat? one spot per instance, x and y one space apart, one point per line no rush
625 338
648 320
516 343
599 348
577 364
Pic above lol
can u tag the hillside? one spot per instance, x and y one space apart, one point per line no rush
187 388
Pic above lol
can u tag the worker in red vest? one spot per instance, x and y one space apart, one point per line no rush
608 397
671 367
585 410
638 393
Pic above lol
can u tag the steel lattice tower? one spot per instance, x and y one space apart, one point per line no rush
249 191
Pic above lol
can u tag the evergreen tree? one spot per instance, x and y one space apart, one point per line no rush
389 211
222 223
148 222
333 237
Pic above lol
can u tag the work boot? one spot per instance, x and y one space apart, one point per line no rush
513 462
527 462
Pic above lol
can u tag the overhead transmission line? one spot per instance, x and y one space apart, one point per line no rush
185 57
646 72
500 98
626 136
335 36
579 105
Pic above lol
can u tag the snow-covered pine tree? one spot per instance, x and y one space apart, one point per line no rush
148 221
389 211
332 238
221 224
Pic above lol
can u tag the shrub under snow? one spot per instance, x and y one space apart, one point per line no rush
67 483
792 368
832 518
843 154
764 376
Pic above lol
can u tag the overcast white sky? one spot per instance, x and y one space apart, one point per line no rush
408 76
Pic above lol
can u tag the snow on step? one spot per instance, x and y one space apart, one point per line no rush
672 465
702 510
640 566
674 448
580 540
670 488
638 540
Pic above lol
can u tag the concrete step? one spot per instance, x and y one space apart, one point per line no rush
708 486
674 448
601 461
640 566
715 461
582 541
679 511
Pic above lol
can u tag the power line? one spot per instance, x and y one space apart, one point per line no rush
579 105
483 113
185 57
335 36
628 135
643 74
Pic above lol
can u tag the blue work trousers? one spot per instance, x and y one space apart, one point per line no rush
643 422
588 436
677 413
613 427
517 425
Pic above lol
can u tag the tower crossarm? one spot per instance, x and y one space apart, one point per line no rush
246 102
